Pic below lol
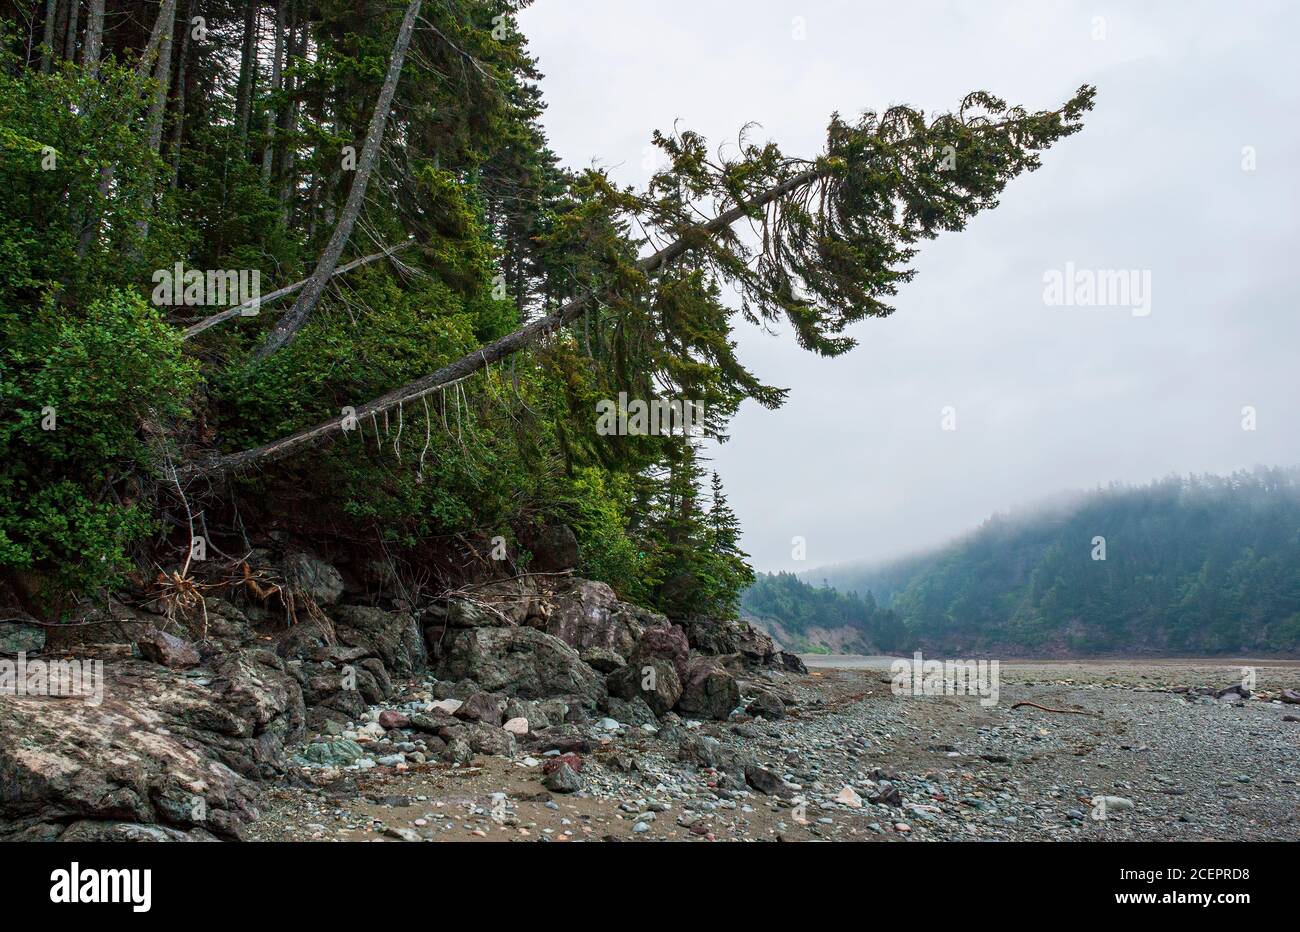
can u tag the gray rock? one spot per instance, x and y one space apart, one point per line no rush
313 577
341 753
562 779
167 649
653 680
520 662
16 638
603 659
766 705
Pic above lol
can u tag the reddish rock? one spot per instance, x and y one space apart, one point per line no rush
167 649
552 764
389 719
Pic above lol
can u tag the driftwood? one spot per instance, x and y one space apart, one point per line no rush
1035 705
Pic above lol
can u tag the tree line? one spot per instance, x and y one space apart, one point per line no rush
445 304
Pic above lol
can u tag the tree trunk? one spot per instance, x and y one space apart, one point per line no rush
178 122
94 37
70 44
276 83
486 355
166 16
297 48
247 66
47 42
158 107
289 325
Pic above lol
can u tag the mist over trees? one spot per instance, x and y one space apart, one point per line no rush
1192 565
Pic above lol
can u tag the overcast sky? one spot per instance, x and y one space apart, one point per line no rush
1046 398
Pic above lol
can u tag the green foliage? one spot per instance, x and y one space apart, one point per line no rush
1202 565
800 609
78 392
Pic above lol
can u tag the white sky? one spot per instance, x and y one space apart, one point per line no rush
1047 398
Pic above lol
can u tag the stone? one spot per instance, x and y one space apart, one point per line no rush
653 680
480 707
403 834
603 659
516 726
562 779
708 691
587 614
766 782
554 548
389 719
393 638
447 706
849 797
167 649
766 705
314 578
340 753
490 739
665 641
17 638
570 760
158 744
520 662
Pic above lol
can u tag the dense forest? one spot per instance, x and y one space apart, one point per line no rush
802 615
1197 565
439 305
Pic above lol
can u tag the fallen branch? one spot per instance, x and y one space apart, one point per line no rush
238 311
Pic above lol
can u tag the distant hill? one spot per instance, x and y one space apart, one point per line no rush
811 620
1202 565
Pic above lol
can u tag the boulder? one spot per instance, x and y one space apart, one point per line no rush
16 638
562 780
766 782
312 577
460 613
480 707
766 705
653 680
665 641
161 749
392 637
390 719
517 726
167 649
602 659
587 614
709 691
520 662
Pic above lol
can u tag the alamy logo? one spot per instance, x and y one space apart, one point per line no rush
1073 287
105 885
921 677
657 417
181 287
68 678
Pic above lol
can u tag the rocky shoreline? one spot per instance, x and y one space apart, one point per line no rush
543 708
198 716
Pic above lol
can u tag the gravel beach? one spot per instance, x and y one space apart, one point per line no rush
839 756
